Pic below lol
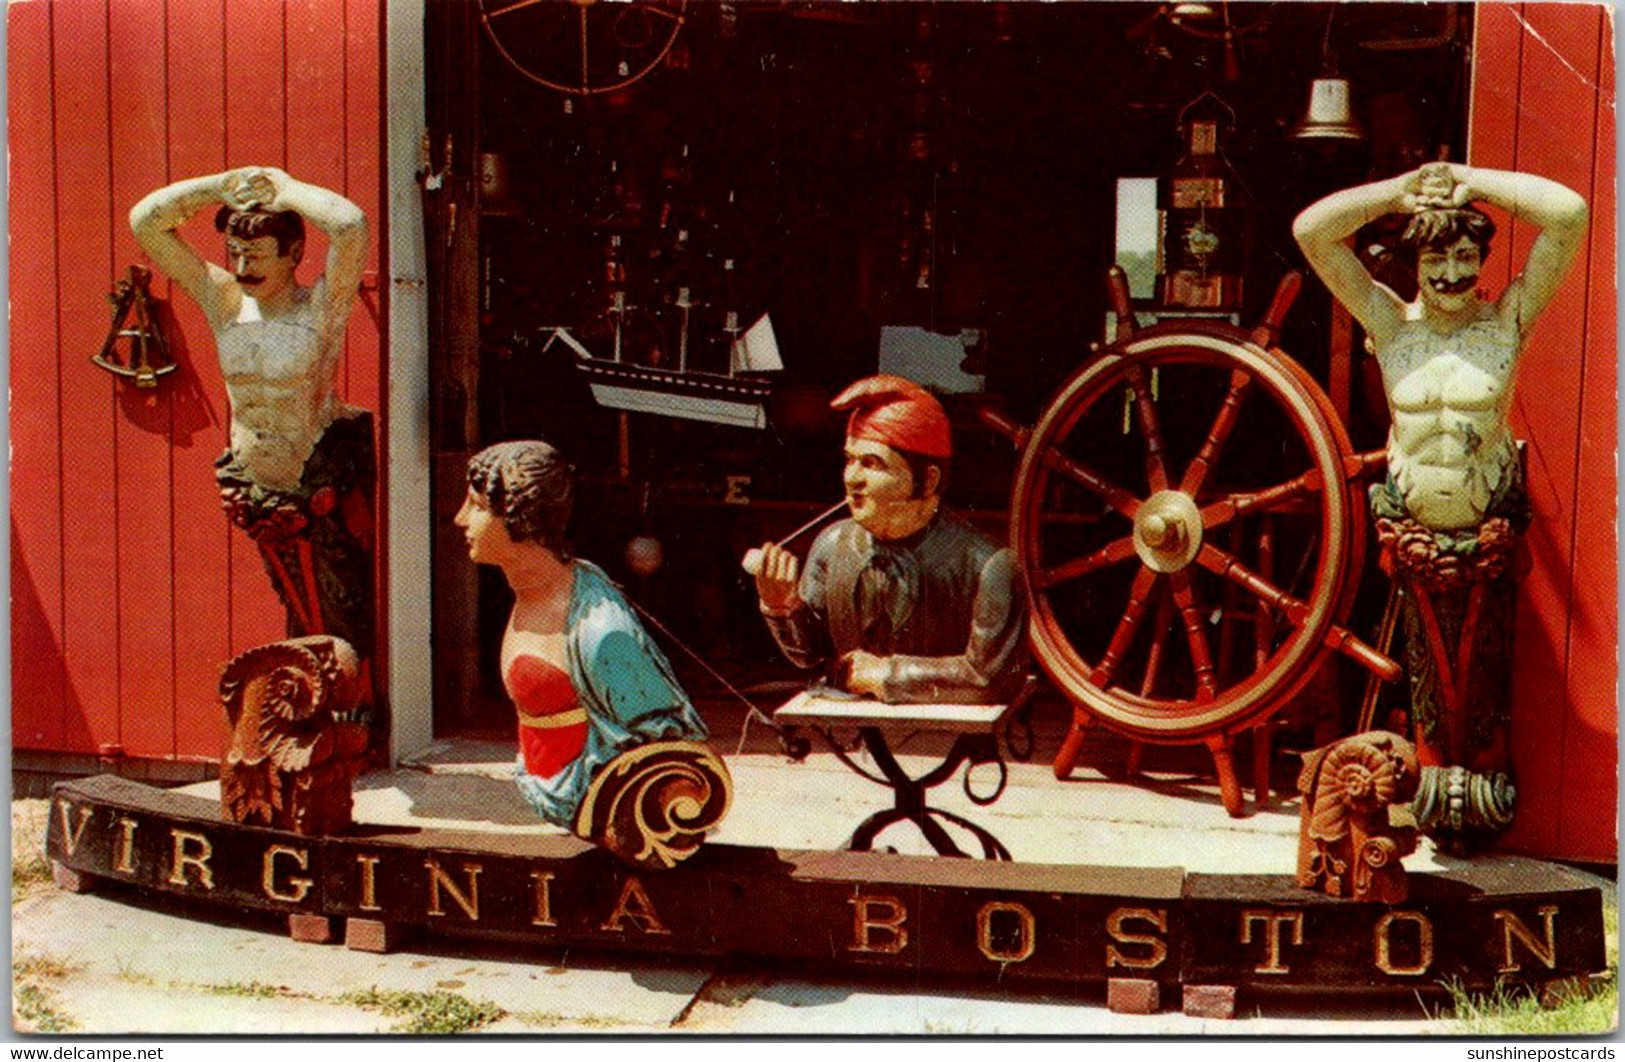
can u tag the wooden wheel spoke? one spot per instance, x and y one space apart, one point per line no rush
1191 656
1190 608
519 5
1116 497
1163 625
1112 553
1223 423
1263 618
1227 566
1296 612
586 74
1156 468
1226 509
1139 597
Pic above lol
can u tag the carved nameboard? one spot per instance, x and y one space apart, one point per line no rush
997 923
1522 919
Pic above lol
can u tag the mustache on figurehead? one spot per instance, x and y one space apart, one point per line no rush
1453 287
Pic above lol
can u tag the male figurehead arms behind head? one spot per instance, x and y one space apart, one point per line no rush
298 471
1449 514
279 343
1448 359
1441 188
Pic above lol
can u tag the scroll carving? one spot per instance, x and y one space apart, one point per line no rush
653 806
295 744
1347 844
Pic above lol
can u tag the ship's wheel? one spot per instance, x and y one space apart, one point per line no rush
1186 518
583 47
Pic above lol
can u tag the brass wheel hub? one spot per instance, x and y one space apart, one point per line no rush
1168 531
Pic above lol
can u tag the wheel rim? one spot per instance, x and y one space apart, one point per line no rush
581 47
1160 548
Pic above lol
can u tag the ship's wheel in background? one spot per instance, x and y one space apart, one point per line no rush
1187 517
583 47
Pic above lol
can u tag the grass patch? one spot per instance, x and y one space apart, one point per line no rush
428 1012
32 1010
30 875
42 967
956 1027
544 1020
1591 1008
30 870
130 975
33 1006
249 990
1610 928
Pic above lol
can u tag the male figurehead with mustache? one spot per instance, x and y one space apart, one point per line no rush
1453 507
1449 358
298 474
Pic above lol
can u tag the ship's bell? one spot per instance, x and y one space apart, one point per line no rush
1328 116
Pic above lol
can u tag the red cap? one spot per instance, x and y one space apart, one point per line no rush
899 413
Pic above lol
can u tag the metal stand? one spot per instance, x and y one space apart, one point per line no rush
975 729
910 801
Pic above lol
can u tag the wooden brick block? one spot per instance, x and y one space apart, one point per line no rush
310 928
1133 995
70 880
368 934
1210 1001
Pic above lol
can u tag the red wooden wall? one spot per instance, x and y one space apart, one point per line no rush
127 591
1543 102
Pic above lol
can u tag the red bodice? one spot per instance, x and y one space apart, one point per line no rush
552 725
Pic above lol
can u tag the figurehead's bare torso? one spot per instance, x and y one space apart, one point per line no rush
279 343
1449 447
281 379
1448 358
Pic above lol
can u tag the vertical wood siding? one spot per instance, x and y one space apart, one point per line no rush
1543 99
129 592
46 710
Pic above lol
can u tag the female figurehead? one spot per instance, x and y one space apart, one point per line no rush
586 681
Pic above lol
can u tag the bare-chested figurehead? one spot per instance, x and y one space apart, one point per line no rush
298 475
1451 511
279 343
1448 359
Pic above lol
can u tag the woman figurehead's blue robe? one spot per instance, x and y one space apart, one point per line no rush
626 686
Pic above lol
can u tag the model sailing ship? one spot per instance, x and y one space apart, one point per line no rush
737 397
652 348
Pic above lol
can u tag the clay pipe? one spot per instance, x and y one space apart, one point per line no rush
752 562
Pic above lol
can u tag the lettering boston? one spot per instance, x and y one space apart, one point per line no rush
999 922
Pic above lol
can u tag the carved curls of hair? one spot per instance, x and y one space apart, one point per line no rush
1443 227
530 486
286 225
